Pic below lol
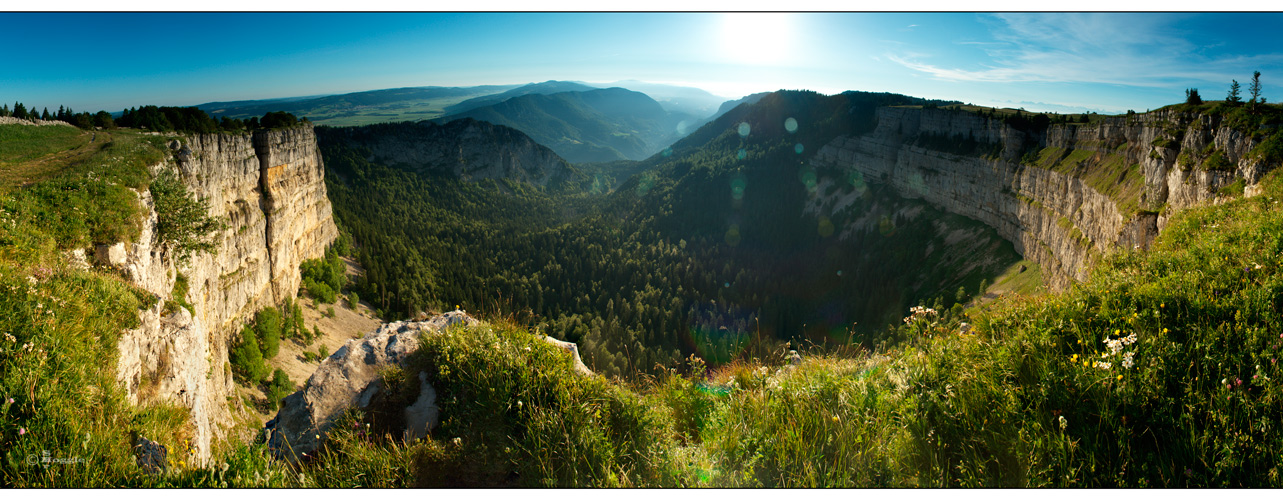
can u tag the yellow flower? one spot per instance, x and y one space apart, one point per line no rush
1074 358
1120 377
1086 364
1164 330
836 419
1118 332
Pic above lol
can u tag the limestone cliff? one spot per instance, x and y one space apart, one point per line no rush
1062 194
269 188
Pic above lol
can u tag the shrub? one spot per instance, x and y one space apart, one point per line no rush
183 224
1218 162
322 352
329 312
278 388
319 291
268 325
247 359
353 300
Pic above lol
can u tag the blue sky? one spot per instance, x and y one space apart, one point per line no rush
1055 62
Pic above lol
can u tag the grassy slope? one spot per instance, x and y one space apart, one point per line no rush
59 323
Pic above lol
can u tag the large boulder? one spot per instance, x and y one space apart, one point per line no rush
351 378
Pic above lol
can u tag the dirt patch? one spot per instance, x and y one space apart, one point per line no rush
347 324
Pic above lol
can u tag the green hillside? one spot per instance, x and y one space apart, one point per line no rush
598 125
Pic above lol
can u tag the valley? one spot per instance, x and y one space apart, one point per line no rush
925 279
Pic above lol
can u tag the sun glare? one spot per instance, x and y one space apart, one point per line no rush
756 38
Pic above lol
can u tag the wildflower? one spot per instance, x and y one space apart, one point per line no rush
1120 377
1063 422
22 431
1086 364
1074 358
457 441
10 400
519 403
1127 360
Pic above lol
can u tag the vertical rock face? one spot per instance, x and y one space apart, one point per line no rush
1057 216
299 220
269 188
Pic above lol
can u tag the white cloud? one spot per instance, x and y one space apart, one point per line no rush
1141 50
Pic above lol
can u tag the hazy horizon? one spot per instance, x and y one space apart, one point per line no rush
1063 62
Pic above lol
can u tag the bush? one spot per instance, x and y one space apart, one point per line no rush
278 388
268 325
247 359
353 300
329 312
319 291
322 352
183 224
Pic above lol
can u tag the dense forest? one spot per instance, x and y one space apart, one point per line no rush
708 251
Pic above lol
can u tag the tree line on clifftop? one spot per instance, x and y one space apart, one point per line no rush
155 118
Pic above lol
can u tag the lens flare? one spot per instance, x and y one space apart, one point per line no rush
826 227
790 125
798 148
744 129
733 235
738 184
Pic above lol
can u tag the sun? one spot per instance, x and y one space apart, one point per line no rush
755 38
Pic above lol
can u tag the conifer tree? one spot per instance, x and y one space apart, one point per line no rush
1233 97
1255 88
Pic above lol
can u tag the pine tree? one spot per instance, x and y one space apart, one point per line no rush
19 111
45 115
1255 88
1192 97
1233 97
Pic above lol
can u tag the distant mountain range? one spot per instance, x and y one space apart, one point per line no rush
595 125
581 122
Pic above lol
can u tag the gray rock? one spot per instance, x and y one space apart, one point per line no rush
573 349
111 255
352 378
153 457
423 415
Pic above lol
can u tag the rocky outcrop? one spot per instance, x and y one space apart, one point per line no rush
352 378
269 188
9 120
1064 194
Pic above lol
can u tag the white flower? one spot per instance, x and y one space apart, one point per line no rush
1127 360
1063 422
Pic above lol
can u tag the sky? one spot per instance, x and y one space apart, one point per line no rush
1062 62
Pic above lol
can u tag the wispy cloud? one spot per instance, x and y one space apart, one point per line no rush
1143 50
